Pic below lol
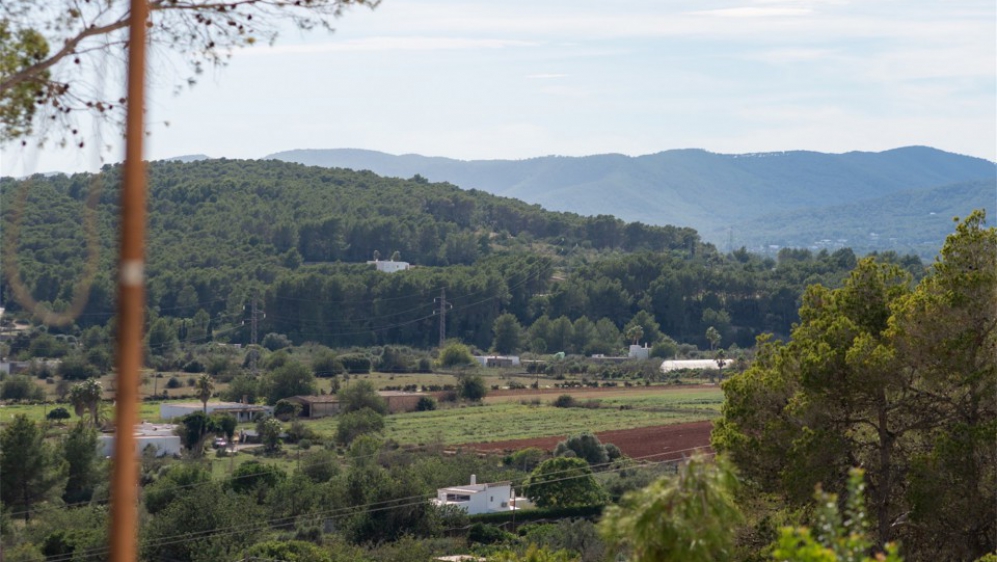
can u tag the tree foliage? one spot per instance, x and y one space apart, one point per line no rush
893 379
85 398
508 334
351 425
290 379
563 482
456 354
685 518
585 446
334 220
30 469
359 395
834 538
79 450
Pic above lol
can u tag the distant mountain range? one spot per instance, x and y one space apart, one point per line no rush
901 199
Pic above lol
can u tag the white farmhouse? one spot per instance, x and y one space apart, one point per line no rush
638 352
242 412
481 498
390 266
498 360
161 437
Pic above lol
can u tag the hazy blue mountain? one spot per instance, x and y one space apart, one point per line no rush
187 158
910 221
707 191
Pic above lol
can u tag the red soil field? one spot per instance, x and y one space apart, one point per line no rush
658 443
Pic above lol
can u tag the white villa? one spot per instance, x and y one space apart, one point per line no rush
242 412
498 360
389 266
481 498
638 352
161 437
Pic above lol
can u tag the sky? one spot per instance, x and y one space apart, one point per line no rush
516 79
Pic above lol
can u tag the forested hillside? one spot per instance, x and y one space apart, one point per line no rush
222 231
712 192
910 221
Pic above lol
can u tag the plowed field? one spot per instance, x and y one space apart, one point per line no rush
659 443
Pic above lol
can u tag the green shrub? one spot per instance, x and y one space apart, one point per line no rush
564 401
354 363
455 355
58 414
354 424
425 404
21 388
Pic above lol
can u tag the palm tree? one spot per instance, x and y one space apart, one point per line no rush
204 388
85 398
635 333
713 336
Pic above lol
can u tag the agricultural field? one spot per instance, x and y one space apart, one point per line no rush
148 411
530 417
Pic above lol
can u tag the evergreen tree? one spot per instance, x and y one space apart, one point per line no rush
30 470
79 450
508 334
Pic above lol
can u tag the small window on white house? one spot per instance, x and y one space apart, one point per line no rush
505 504
491 498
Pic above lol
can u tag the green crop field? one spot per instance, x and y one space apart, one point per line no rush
518 420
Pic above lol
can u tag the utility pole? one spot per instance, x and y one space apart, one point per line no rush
254 320
442 299
254 324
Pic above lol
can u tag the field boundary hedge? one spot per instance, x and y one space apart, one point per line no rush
525 515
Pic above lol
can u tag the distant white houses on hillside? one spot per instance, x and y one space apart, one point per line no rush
481 498
161 437
389 266
242 412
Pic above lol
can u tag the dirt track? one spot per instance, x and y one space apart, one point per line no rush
663 442
588 392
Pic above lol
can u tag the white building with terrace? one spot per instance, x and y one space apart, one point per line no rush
481 498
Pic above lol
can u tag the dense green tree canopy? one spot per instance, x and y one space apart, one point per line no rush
30 470
896 379
563 482
223 231
685 518
290 379
361 394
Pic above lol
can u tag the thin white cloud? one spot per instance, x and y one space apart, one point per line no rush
399 43
755 12
550 76
791 55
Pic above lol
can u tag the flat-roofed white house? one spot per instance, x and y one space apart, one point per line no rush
498 360
161 437
242 412
390 266
638 352
481 498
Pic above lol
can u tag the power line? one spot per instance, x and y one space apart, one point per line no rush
348 511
